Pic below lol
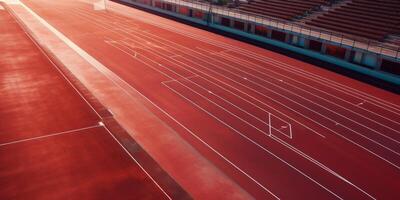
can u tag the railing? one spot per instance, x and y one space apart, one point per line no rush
360 43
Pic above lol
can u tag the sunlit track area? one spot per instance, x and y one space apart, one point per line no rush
102 100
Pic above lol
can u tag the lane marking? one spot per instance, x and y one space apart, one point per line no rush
50 135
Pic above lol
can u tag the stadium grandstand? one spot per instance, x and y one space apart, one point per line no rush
289 10
199 99
377 20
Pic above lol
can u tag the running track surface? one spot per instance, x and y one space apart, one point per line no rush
281 128
51 143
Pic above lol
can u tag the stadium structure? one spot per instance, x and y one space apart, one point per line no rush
198 99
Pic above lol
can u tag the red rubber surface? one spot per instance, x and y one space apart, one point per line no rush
346 137
51 143
80 165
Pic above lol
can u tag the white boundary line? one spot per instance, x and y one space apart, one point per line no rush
50 135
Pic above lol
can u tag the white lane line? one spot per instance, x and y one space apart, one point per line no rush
78 50
173 56
50 135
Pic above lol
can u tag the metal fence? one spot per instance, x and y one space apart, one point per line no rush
342 40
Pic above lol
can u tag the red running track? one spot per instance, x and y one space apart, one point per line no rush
279 127
52 145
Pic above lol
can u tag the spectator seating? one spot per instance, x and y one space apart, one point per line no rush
283 9
372 19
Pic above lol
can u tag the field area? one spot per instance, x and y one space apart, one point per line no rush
278 127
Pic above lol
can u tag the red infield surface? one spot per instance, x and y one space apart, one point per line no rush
279 127
52 145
